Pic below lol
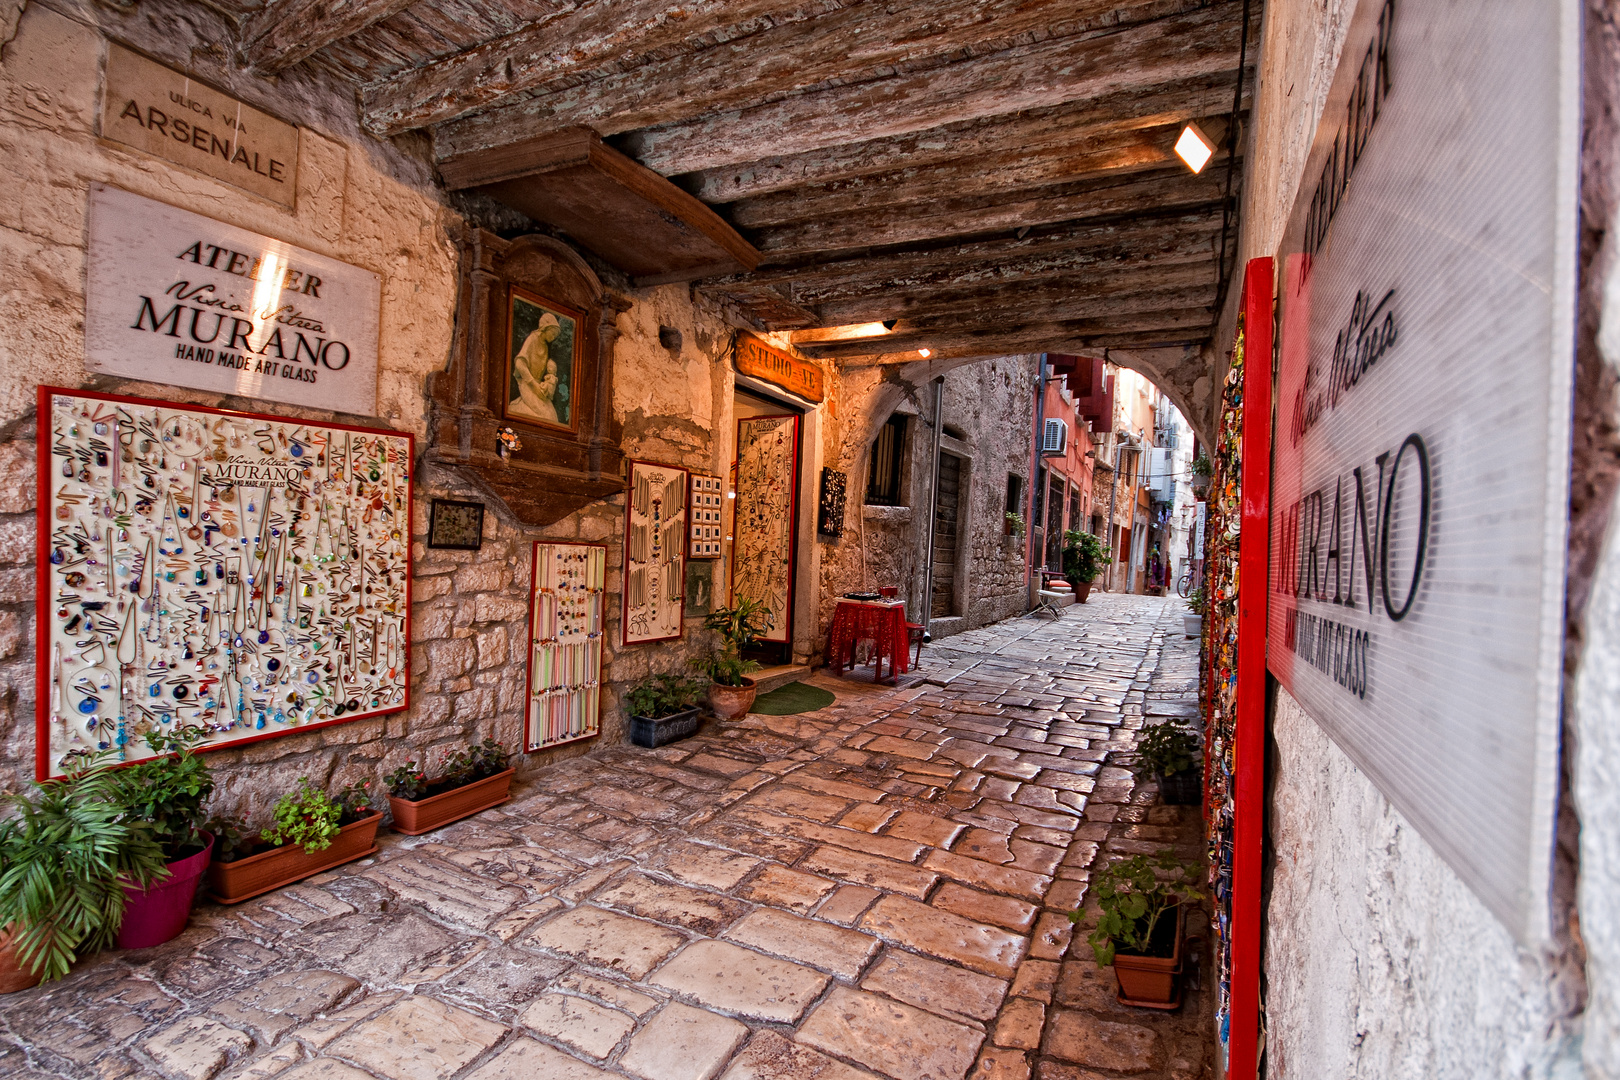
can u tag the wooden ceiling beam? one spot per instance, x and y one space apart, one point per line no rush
926 220
281 34
777 92
1109 116
1175 328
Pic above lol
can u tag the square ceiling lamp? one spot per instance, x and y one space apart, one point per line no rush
1194 148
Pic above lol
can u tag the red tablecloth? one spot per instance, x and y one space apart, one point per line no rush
884 625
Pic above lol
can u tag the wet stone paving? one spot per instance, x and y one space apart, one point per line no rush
878 888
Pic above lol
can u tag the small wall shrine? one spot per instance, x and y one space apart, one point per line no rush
239 575
565 651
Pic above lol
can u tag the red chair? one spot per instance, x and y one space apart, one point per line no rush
914 631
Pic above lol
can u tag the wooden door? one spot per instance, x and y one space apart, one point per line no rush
947 506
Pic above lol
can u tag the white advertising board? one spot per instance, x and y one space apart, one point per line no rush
174 297
1422 426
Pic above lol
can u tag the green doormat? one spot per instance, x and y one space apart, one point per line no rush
795 697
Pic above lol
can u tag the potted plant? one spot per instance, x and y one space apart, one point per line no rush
167 793
731 692
1192 621
662 709
1141 919
1201 474
311 832
66 854
469 780
1169 753
1084 556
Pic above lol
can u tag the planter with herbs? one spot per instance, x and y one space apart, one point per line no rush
1169 753
663 708
312 832
469 780
1142 909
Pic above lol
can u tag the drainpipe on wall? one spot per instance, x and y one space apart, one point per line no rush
1032 573
933 505
1113 497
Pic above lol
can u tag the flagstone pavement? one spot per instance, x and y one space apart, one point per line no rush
878 888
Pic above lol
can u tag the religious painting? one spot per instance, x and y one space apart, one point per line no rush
231 575
654 553
762 545
566 618
456 525
542 340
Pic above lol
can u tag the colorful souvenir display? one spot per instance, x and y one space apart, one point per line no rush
762 551
565 644
706 506
240 574
654 543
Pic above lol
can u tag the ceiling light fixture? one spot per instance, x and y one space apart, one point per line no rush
1194 148
925 353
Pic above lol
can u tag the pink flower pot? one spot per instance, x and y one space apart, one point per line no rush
159 912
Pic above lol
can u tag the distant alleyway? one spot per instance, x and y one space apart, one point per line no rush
879 887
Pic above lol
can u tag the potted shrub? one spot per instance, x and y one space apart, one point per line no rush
1169 753
662 709
1084 556
1192 623
167 793
731 692
1142 917
311 832
66 854
469 780
1202 472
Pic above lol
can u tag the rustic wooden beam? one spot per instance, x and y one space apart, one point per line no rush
281 34
1111 115
772 94
1056 338
945 218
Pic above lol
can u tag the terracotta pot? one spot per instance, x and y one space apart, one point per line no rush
415 817
1152 981
13 977
233 882
1081 591
730 702
160 911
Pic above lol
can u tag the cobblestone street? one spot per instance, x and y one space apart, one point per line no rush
877 888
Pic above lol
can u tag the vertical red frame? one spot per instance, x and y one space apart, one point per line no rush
1249 743
624 561
793 521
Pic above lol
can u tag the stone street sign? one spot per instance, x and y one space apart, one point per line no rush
167 113
173 297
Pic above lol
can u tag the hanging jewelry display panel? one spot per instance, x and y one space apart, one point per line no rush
566 616
762 553
654 539
707 502
234 574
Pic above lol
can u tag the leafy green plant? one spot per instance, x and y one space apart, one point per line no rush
1165 749
1133 895
1196 603
455 769
407 782
1201 465
307 817
662 695
727 669
232 837
738 628
1015 523
488 758
1084 556
354 801
168 792
64 856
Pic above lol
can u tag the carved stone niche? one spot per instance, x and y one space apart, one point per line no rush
562 466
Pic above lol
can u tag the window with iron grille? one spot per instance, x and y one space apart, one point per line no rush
888 451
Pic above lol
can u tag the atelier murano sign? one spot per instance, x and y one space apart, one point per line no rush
245 576
176 298
1422 427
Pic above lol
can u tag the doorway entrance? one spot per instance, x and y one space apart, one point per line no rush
947 518
764 518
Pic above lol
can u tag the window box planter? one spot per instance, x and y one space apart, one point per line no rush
1153 982
243 879
652 732
418 816
1182 788
159 912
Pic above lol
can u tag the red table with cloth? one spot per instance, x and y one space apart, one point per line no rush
882 624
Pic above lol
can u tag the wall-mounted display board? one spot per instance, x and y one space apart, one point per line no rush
1423 426
762 530
177 298
654 540
802 377
706 507
245 575
566 615
830 511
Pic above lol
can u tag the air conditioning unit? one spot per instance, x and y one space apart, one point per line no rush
1055 437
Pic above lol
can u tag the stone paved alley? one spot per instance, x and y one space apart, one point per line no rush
879 887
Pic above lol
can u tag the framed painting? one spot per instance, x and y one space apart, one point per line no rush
654 553
542 354
566 617
456 525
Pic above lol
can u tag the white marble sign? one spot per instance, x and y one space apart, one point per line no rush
174 297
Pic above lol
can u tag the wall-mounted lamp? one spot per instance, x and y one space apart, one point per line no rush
925 353
1194 148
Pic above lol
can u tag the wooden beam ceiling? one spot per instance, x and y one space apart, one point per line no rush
280 35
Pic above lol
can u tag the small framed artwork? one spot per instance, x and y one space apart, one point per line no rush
542 347
830 514
654 546
704 509
456 525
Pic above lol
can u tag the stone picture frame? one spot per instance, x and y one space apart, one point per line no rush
451 522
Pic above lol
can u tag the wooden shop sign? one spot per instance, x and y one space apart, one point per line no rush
169 114
758 359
